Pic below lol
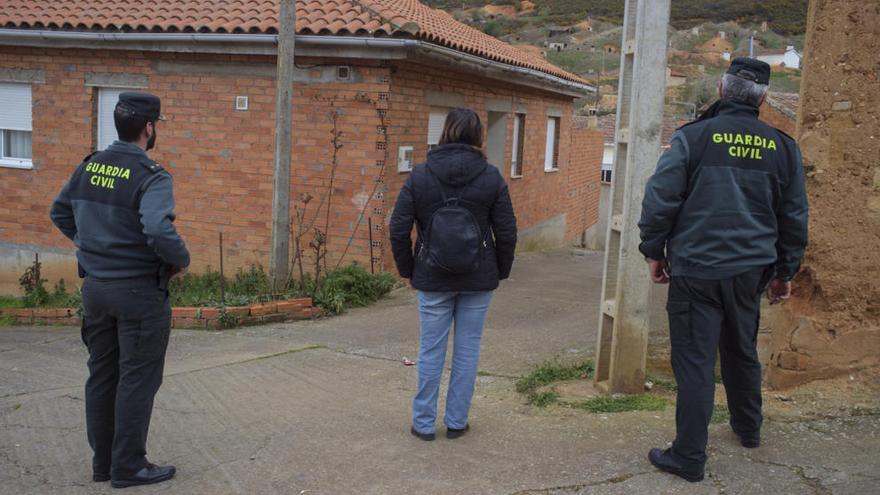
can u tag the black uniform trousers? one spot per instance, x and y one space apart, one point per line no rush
126 325
707 317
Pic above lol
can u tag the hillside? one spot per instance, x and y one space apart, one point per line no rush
786 17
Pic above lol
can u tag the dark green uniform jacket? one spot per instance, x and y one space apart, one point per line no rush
727 197
118 210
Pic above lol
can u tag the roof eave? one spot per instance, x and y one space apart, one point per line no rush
358 47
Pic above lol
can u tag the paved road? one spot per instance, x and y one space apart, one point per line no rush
322 408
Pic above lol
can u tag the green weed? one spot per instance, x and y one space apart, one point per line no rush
622 403
351 287
543 399
664 383
553 371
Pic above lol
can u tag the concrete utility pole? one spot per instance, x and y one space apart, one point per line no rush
626 288
280 255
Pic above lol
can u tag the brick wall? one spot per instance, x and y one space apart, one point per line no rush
778 119
222 159
583 180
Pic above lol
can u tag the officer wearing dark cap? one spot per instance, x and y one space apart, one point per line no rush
118 210
724 218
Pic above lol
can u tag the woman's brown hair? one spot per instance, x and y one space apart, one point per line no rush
462 126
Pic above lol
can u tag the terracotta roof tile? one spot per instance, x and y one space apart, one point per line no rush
400 18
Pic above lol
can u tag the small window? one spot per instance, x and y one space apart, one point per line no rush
496 138
607 163
519 139
404 159
16 126
551 151
107 99
436 121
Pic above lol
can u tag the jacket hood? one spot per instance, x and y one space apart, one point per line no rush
456 164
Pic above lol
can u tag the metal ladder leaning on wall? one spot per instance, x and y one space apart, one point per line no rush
624 321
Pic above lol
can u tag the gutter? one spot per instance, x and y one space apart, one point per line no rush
308 45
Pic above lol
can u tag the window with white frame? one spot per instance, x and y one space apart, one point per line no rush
436 121
551 150
16 127
607 162
107 99
519 139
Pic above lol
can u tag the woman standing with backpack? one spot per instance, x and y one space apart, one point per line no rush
467 237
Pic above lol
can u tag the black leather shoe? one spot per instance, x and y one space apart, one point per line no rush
452 433
750 442
100 477
662 460
147 476
422 436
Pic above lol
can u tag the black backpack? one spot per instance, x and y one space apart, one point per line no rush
453 241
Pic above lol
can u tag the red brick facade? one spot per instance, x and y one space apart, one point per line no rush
778 119
584 181
221 158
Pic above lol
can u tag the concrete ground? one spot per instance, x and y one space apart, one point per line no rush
322 407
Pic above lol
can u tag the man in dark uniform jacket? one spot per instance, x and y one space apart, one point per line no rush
724 217
118 210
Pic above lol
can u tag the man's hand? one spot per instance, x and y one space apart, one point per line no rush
779 290
178 272
658 270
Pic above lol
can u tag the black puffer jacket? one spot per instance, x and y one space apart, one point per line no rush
485 195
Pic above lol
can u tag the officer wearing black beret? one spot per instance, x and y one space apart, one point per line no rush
724 218
118 210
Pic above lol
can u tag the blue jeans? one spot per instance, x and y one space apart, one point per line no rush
437 311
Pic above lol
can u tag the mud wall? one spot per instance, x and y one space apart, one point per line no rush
832 325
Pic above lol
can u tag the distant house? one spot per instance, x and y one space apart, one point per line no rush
556 46
607 124
586 25
788 58
611 48
718 48
675 77
717 45
554 31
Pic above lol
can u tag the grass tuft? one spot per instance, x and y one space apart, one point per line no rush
547 373
553 371
643 402
543 399
664 383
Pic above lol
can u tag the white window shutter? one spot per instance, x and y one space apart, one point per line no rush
436 121
107 99
551 142
515 153
15 107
